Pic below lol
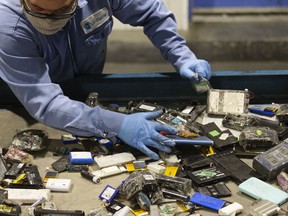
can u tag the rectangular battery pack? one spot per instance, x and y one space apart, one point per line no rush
261 190
271 162
264 208
79 157
207 201
221 102
3 168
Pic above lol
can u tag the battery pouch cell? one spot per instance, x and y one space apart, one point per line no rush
238 121
241 121
15 154
220 102
258 137
138 181
30 140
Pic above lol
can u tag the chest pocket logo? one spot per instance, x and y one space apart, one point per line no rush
95 20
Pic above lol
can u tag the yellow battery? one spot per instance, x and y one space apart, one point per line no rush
130 167
20 179
171 170
208 151
139 212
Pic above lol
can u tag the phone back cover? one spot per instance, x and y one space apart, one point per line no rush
259 189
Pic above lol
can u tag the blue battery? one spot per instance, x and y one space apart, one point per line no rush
207 201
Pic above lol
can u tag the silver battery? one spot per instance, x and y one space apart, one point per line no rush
264 208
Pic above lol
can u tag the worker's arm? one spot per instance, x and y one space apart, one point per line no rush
27 74
160 27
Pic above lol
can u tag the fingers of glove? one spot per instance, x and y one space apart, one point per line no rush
162 139
188 73
203 69
152 115
157 145
161 127
195 69
148 152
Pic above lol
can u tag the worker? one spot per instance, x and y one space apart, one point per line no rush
44 42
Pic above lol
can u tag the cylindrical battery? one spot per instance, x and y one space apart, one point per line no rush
90 176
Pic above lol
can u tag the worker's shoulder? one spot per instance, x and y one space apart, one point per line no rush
11 16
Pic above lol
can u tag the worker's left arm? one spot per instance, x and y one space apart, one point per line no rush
160 27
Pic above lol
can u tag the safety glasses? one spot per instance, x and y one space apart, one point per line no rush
59 14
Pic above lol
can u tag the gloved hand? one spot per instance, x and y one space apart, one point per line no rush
192 69
138 131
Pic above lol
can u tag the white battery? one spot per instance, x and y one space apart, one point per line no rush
231 209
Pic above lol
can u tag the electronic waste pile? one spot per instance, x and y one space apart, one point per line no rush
188 181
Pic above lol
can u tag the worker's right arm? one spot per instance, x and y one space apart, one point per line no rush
27 74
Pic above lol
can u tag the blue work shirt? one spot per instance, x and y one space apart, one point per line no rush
32 63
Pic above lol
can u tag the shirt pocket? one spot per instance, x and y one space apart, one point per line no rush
99 34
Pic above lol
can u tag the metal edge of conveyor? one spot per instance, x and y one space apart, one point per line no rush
266 87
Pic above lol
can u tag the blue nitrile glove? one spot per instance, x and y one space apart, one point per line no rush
192 69
138 131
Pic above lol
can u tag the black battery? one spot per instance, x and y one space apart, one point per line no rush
15 170
271 162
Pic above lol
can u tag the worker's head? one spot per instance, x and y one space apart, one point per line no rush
49 16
